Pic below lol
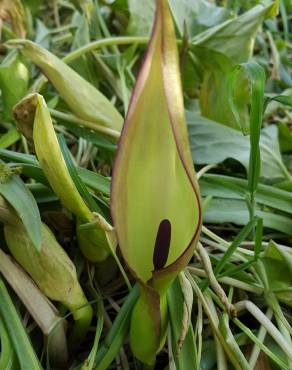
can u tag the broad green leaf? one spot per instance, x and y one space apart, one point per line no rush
17 334
241 87
212 142
235 37
84 65
228 187
196 16
16 193
82 98
217 51
14 78
141 17
277 260
43 35
156 212
215 68
235 211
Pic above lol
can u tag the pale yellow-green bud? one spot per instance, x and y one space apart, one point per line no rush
50 268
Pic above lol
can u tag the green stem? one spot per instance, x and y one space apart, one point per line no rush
93 126
213 281
229 281
82 315
223 245
205 169
110 41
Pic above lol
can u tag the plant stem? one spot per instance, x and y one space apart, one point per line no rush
93 126
205 170
82 315
110 41
229 281
213 281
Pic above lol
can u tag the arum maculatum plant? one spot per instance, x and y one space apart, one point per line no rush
155 202
96 237
88 103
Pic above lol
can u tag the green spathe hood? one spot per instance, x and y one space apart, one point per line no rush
155 201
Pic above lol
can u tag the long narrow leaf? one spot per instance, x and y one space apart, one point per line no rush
240 237
76 178
8 359
23 348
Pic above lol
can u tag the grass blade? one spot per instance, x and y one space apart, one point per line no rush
21 343
236 243
76 178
